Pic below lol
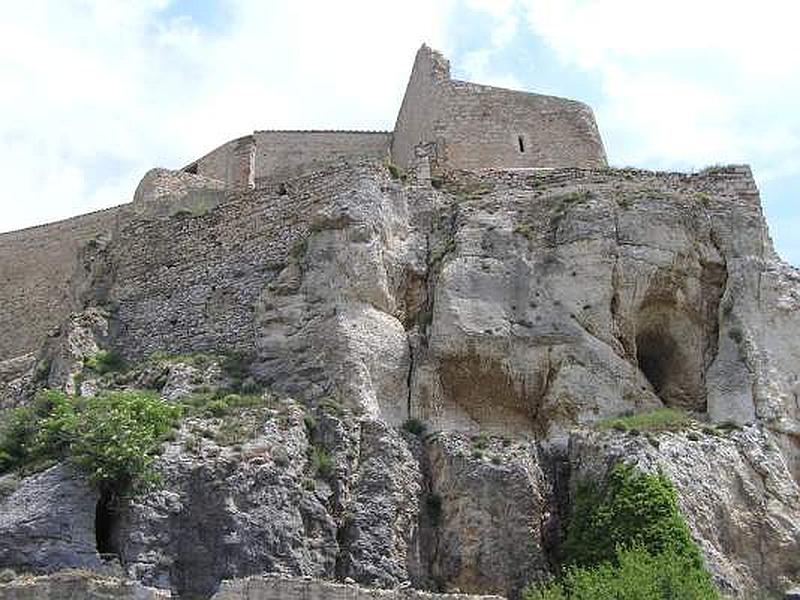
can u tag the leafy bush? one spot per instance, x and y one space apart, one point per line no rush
634 509
635 575
113 438
19 430
660 419
628 541
395 172
104 361
321 462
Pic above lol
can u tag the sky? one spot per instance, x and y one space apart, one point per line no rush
93 93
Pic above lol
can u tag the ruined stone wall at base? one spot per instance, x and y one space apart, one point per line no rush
295 588
36 265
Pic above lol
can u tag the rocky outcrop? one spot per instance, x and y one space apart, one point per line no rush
239 497
81 337
488 507
509 312
48 523
735 490
162 193
14 377
382 517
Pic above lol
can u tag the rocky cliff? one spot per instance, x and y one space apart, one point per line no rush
438 358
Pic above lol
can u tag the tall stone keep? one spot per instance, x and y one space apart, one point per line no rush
472 126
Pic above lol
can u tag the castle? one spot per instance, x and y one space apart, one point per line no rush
443 124
451 124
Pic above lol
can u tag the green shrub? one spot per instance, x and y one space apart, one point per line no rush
660 419
633 509
216 408
113 438
628 541
635 575
235 431
332 407
395 172
414 426
19 430
311 424
321 462
104 361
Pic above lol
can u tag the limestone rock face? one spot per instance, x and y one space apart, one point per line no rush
521 305
226 512
736 492
490 506
162 192
275 491
383 515
80 337
48 523
15 375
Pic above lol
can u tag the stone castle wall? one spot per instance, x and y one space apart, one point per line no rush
419 112
482 127
35 270
491 128
232 163
467 126
269 155
285 154
191 283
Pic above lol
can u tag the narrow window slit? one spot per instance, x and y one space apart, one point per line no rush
521 143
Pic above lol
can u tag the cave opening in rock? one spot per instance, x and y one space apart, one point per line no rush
656 354
105 522
669 354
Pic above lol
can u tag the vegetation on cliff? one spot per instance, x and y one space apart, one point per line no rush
628 540
113 437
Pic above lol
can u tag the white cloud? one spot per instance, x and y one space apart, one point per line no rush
685 82
95 92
